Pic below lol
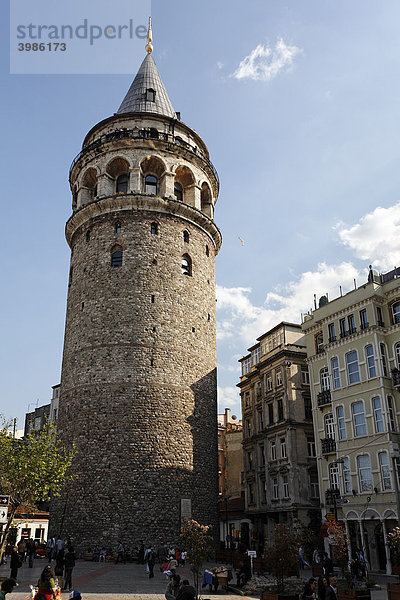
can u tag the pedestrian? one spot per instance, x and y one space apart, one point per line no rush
141 553
331 591
187 591
172 565
47 583
58 546
7 587
59 568
151 561
173 588
327 565
183 558
30 548
22 549
103 554
145 559
322 585
120 553
69 563
309 592
15 563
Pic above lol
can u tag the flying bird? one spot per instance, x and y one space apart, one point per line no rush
241 241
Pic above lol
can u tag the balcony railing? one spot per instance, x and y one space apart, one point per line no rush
328 446
396 377
324 398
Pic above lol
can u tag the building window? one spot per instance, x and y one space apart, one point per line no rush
270 413
251 493
343 328
154 228
88 235
246 366
319 343
324 379
207 250
150 184
360 426
250 460
314 488
335 372
268 382
38 422
278 377
260 421
382 349
347 486
307 407
396 312
258 390
186 236
186 265
305 376
262 455
392 414
397 353
280 409
352 367
283 447
248 428
116 258
385 471
352 324
334 476
255 355
329 426
378 415
285 486
247 399
178 191
122 184
363 319
370 357
331 332
273 450
364 473
264 490
150 95
117 227
379 317
275 488
341 423
311 451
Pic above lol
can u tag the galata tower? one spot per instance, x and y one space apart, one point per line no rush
138 384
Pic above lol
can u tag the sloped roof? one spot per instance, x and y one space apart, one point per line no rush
147 78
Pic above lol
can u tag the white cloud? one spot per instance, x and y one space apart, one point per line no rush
242 321
264 63
376 237
228 397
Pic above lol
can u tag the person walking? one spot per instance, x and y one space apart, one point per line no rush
15 563
173 588
309 592
151 561
69 563
30 549
331 590
120 553
47 583
59 568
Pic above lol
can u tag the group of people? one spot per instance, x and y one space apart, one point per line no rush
325 588
177 590
48 587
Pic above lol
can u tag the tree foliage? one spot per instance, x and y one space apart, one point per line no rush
282 556
197 540
32 470
393 541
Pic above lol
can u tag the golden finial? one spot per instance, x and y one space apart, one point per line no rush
149 45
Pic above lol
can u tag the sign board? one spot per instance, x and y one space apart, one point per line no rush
252 553
4 500
3 515
330 516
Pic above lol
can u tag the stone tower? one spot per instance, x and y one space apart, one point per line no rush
138 385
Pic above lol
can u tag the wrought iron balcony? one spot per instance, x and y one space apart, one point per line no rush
324 398
328 445
396 377
331 495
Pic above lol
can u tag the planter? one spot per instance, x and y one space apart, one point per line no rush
393 591
282 596
350 594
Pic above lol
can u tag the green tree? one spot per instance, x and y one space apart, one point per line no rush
32 470
197 540
282 556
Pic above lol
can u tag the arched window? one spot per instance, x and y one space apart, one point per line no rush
207 250
364 473
88 235
329 426
186 236
116 258
347 484
353 372
89 185
154 228
396 312
324 379
385 471
359 423
178 191
150 95
334 476
370 356
118 227
397 352
382 349
122 184
150 184
186 265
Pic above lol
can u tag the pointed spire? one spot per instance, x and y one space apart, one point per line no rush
147 92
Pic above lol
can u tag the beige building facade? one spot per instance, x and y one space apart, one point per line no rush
280 474
353 348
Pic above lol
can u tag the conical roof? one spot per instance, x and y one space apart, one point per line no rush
138 98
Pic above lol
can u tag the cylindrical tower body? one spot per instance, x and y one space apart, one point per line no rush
138 385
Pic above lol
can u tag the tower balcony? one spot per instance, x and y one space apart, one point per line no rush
328 446
324 398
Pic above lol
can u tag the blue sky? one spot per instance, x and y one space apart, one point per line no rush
298 103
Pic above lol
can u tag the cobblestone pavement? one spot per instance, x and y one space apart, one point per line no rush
99 581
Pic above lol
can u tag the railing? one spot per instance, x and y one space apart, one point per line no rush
328 446
324 398
143 134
